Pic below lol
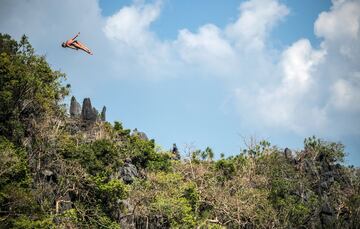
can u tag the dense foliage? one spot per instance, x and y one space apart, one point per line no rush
53 175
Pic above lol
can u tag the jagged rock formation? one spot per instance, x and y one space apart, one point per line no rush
103 114
84 117
75 108
88 113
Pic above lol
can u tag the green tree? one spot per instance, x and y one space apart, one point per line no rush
29 88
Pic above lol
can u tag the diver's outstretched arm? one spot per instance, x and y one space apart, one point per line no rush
76 36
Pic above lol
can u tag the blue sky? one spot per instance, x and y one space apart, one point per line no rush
208 73
192 14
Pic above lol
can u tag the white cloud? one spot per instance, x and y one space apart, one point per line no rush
340 29
207 48
233 53
346 94
139 51
131 24
256 19
298 62
208 51
319 89
287 104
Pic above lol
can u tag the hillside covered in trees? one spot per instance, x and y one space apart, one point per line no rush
62 171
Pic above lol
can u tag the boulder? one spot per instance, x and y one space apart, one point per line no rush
143 136
127 173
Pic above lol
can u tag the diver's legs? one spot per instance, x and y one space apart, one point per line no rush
82 47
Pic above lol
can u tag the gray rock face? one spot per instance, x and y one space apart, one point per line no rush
103 114
88 113
128 172
95 113
75 108
143 136
140 135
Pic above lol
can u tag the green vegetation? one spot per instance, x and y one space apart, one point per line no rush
52 176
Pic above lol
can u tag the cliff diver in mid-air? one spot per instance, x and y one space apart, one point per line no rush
74 44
